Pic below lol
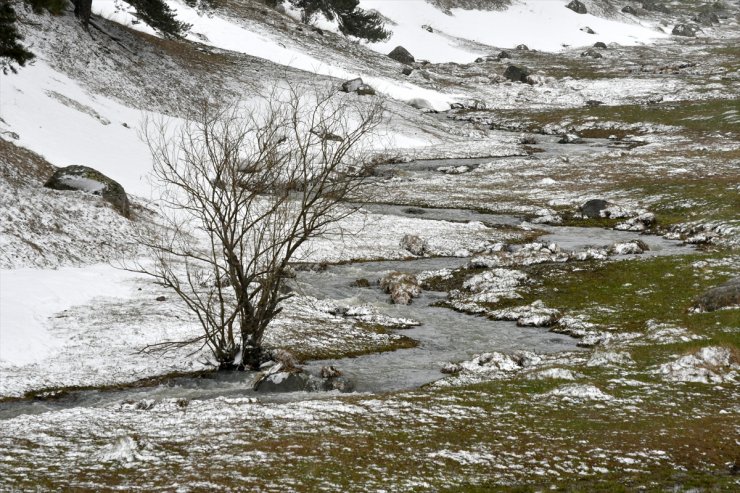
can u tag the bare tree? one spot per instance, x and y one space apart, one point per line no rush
243 189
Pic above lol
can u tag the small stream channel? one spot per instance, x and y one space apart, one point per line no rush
444 335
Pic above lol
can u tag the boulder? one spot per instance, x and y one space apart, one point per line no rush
577 7
516 73
401 54
588 30
600 45
402 287
86 179
592 208
414 244
503 54
276 379
706 18
357 86
593 103
570 139
686 30
522 47
724 296
629 9
407 70
592 53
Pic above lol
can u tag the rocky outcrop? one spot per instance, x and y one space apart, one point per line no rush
629 9
402 55
592 208
516 73
86 179
357 86
577 6
600 45
726 295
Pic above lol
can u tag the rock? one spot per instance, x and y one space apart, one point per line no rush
161 298
641 222
421 104
593 103
329 372
588 30
577 7
407 70
592 53
358 86
86 179
600 45
503 54
402 287
629 9
633 247
713 364
414 244
522 47
401 54
686 30
282 381
516 73
592 208
726 295
361 283
706 18
427 28
570 139
285 358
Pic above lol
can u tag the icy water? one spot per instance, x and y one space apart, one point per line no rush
444 335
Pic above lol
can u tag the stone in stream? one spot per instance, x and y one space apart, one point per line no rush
686 30
402 287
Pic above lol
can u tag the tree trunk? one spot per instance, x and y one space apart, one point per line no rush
83 10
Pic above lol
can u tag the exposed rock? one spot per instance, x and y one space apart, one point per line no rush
86 179
629 248
588 30
600 45
592 208
610 358
407 70
503 54
726 295
640 223
161 298
706 18
282 381
402 287
629 9
714 364
414 244
686 30
358 86
427 28
577 6
592 53
401 54
522 47
534 315
570 139
516 73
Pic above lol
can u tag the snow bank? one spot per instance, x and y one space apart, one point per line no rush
540 24
29 297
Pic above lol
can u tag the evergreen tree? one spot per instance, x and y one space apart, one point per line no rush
11 51
352 20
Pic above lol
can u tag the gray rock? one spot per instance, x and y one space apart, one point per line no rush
592 208
402 287
522 47
724 296
588 30
629 9
592 53
600 45
358 86
503 54
593 103
570 139
407 70
577 7
401 54
86 179
283 381
516 73
686 30
414 244
706 18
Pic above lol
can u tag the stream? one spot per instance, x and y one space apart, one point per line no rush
444 335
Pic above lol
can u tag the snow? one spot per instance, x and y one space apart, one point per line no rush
540 24
713 364
72 129
31 296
